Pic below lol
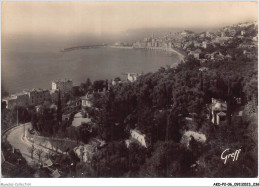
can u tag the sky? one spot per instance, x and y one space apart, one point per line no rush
70 18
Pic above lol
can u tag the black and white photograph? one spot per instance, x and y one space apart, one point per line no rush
152 89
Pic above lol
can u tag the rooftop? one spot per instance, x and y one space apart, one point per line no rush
20 93
47 163
221 114
12 97
56 174
62 80
78 120
87 96
54 91
197 136
219 106
137 131
35 90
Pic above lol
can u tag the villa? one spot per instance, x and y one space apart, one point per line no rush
132 77
136 135
86 100
218 111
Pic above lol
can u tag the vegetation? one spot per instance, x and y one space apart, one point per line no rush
9 116
31 151
157 104
14 165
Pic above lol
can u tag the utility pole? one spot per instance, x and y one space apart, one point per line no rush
59 109
167 142
17 114
229 97
24 130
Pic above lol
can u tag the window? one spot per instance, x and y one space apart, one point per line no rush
222 118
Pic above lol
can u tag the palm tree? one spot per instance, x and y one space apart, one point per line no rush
31 150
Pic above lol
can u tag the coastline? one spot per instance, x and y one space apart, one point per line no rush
181 54
173 50
120 47
94 46
81 47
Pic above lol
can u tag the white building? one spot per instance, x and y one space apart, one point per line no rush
62 85
195 54
116 81
255 38
141 138
204 44
220 117
86 100
186 138
132 77
218 111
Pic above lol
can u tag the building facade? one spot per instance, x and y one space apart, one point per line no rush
218 111
38 96
86 101
19 99
54 95
27 97
10 102
132 77
141 138
62 85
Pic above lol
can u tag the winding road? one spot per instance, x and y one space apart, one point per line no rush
15 137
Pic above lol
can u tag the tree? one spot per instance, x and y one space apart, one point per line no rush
84 170
76 91
3 105
117 79
39 153
98 85
59 109
169 159
111 161
31 150
88 84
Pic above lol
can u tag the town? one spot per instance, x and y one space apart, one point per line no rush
174 122
207 46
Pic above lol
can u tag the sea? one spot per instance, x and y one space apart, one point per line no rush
32 67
